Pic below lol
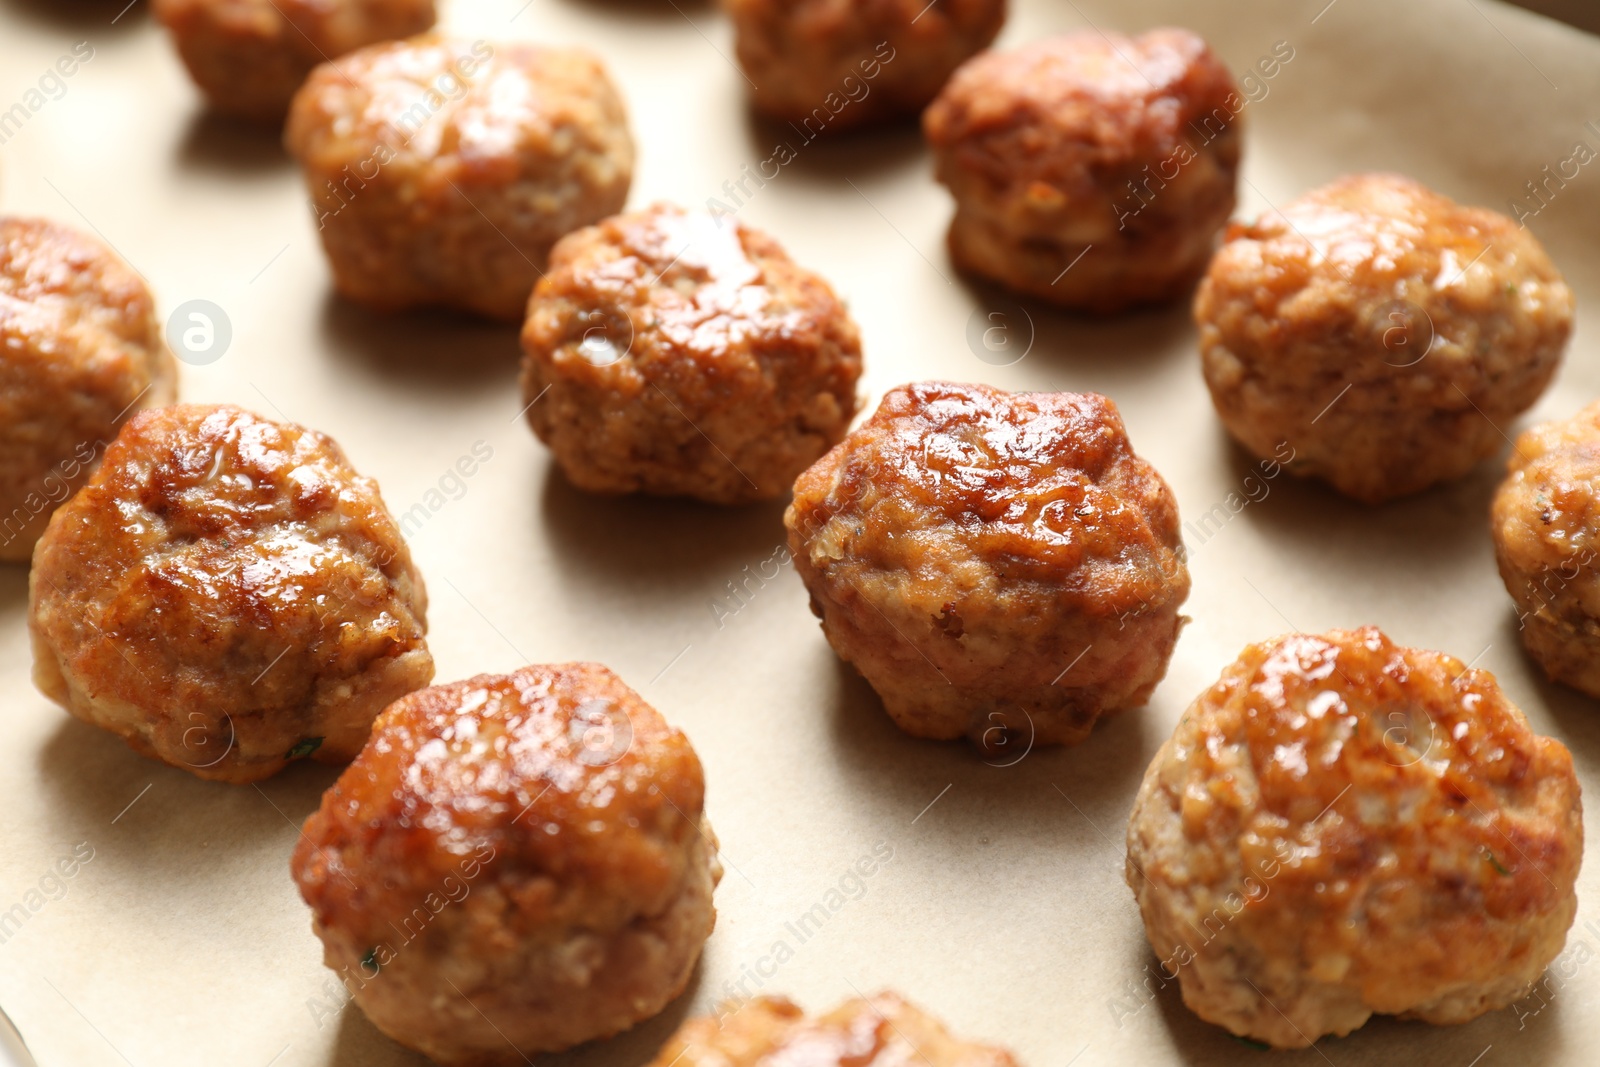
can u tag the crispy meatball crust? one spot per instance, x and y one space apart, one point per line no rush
1340 827
829 65
1546 526
1093 171
995 564
514 862
442 171
80 351
880 1031
1316 326
249 56
686 357
227 594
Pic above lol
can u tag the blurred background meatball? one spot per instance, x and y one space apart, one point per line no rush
514 864
80 351
995 564
827 65
1546 527
441 171
672 353
249 56
1128 145
226 595
1380 329
1341 827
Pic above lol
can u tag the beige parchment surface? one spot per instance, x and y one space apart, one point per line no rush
183 942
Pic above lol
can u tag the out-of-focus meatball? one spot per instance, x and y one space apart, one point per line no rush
1093 171
514 864
880 1031
997 565
80 351
249 56
1546 527
1380 329
1340 827
442 171
226 594
827 65
686 357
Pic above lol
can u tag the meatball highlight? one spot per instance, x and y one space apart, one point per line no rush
442 171
683 356
227 594
998 566
1093 171
515 864
1342 827
1382 330
80 351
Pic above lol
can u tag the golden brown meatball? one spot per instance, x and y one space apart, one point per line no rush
1380 329
515 864
828 65
80 351
441 171
686 357
882 1031
249 56
1091 171
227 595
995 564
1546 527
1340 827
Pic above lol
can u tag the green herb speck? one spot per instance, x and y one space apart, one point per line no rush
304 747
369 962
1495 863
1262 1045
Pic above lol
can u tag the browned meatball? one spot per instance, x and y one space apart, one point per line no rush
515 864
1090 170
997 565
881 1031
1341 827
671 354
441 171
1546 527
80 351
828 65
1381 330
249 56
226 595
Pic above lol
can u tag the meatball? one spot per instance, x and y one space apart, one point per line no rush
881 1031
1088 170
441 172
80 350
686 357
1546 527
249 56
1381 330
827 65
997 565
1342 826
515 864
226 594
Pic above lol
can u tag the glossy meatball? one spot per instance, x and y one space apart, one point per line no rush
999 566
441 171
1381 330
1093 171
227 594
828 65
1340 827
80 351
515 864
671 353
249 56
881 1031
1546 527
